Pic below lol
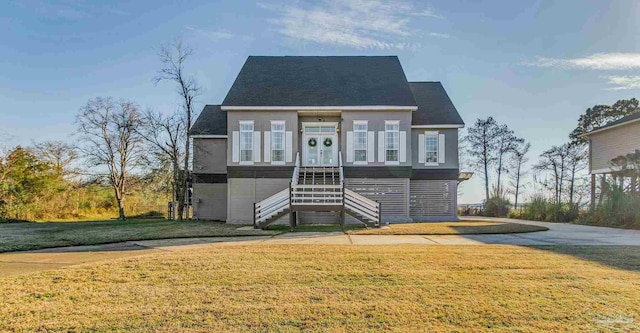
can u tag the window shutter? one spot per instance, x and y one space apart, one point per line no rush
371 146
267 146
350 152
235 146
421 149
441 148
256 146
403 146
381 154
288 146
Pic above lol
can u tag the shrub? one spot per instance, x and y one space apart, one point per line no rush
496 207
619 209
542 209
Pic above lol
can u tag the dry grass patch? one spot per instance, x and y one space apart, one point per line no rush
39 235
335 288
450 228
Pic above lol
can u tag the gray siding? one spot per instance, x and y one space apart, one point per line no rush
375 123
210 201
392 193
451 148
209 155
261 122
433 200
244 192
612 143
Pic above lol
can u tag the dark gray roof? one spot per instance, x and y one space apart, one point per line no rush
320 81
212 121
434 105
622 120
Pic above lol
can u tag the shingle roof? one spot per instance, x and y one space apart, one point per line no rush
631 117
212 121
434 105
320 81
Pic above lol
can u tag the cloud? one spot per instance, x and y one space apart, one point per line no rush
211 34
439 35
71 10
598 61
360 24
623 82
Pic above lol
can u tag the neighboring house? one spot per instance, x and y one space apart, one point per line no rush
615 139
324 139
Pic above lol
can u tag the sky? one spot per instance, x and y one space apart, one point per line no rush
533 65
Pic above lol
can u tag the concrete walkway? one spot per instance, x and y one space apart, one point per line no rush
558 234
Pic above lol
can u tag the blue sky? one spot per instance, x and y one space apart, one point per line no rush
534 65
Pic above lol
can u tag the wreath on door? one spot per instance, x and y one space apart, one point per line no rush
312 142
328 142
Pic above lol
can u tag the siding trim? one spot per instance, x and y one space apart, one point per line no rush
259 172
210 178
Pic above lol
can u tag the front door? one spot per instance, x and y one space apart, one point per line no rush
320 145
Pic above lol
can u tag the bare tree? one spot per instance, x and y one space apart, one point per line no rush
516 171
173 57
507 142
482 139
60 155
576 162
165 137
555 161
108 137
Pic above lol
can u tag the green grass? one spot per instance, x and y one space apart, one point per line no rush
450 228
336 288
38 235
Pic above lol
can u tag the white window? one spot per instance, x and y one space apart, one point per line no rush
392 141
360 141
431 148
246 141
277 141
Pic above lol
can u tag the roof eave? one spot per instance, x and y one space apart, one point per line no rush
606 128
319 108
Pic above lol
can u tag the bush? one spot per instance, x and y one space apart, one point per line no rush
542 209
496 207
619 209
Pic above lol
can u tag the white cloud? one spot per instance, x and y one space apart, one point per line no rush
598 61
439 35
211 34
71 10
623 82
361 24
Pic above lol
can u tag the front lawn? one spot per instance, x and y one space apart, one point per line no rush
38 235
336 288
450 228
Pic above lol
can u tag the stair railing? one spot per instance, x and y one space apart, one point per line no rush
363 206
296 170
270 207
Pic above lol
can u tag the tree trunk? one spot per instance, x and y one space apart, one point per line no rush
121 215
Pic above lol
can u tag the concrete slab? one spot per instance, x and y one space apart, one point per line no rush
310 238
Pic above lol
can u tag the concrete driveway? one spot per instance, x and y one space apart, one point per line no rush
558 234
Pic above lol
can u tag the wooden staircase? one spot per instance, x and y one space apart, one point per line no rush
316 189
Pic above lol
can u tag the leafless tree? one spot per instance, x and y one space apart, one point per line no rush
108 137
173 57
555 161
507 142
516 171
165 137
576 162
60 155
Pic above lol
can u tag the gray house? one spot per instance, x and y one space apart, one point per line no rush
326 140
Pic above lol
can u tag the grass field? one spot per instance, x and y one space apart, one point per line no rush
292 288
450 228
39 235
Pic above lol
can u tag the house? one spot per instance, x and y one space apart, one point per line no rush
326 140
614 139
